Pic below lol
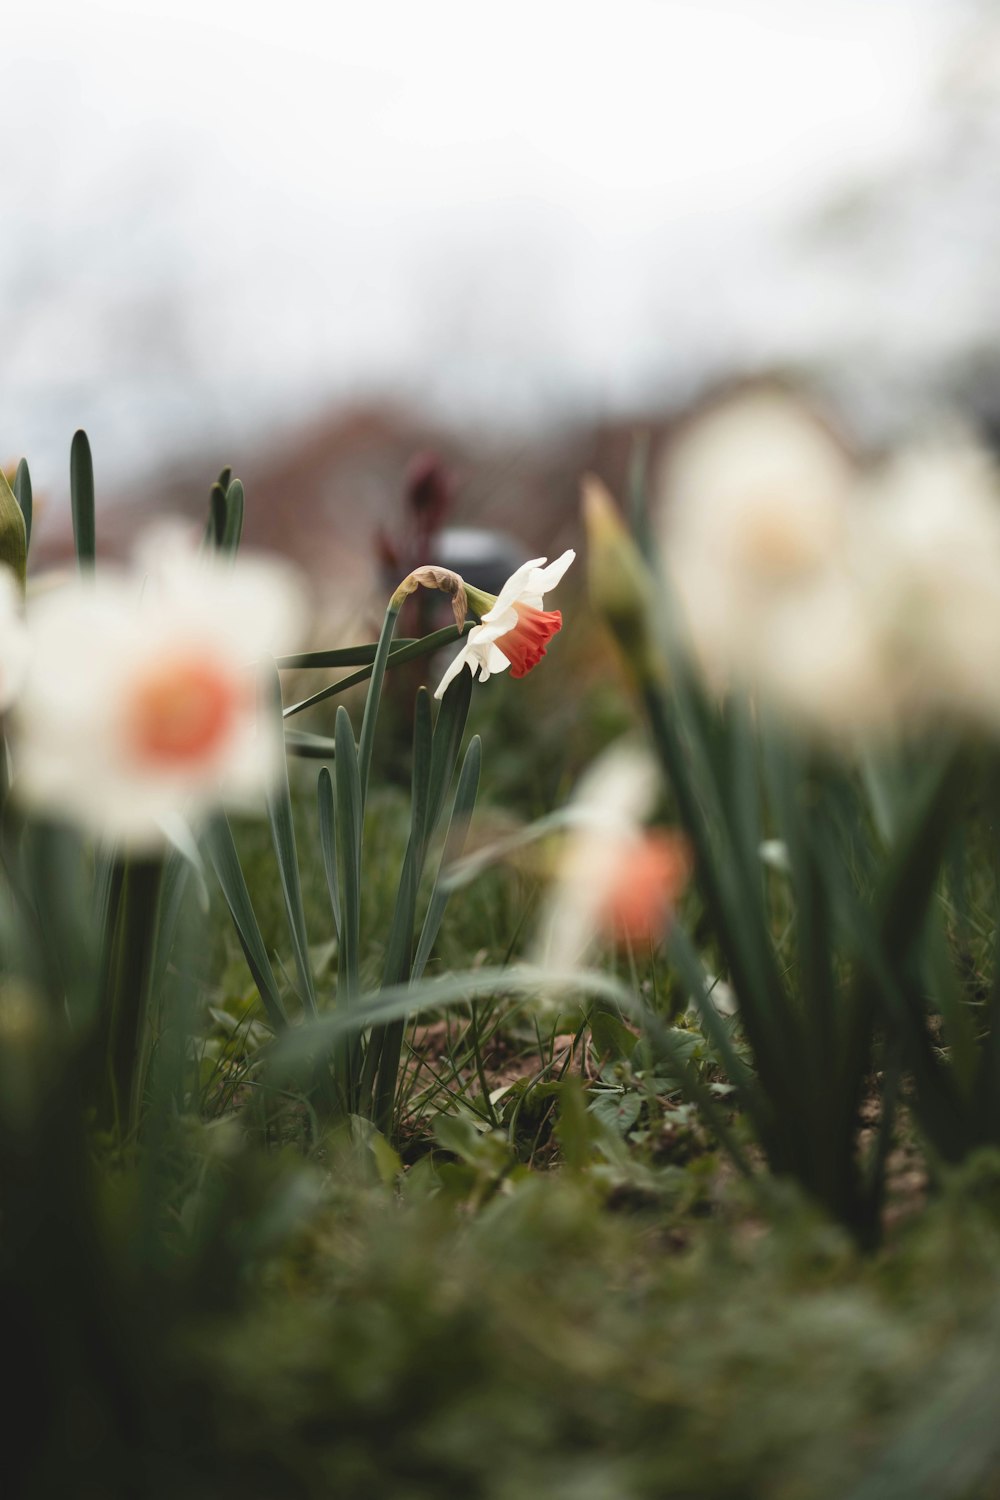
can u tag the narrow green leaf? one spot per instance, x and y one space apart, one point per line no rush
225 861
342 656
431 784
217 509
423 737
374 698
328 841
448 732
348 828
309 746
22 494
422 647
232 531
81 484
746 946
279 808
454 843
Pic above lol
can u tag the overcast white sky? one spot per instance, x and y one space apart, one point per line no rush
219 214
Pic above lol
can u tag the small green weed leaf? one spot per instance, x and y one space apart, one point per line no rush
611 1037
619 1110
577 1130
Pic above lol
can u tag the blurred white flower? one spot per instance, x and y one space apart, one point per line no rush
615 881
753 513
930 565
13 639
856 605
141 698
514 630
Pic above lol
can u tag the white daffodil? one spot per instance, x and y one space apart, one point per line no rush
616 880
514 629
930 563
859 605
13 639
141 699
755 508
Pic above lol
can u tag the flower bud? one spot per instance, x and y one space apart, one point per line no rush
619 581
13 536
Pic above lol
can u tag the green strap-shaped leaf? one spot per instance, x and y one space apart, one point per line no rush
81 488
232 531
309 746
367 738
396 658
279 809
348 826
328 841
225 861
436 772
22 494
342 656
448 732
454 843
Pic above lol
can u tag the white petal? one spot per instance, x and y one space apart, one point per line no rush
514 588
550 576
465 657
495 661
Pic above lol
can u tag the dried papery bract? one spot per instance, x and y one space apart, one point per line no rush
429 576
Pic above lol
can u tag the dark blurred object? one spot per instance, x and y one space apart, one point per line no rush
484 558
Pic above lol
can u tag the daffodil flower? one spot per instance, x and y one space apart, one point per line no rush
140 704
617 881
514 630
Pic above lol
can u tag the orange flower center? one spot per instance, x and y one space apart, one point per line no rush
181 710
524 646
646 888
